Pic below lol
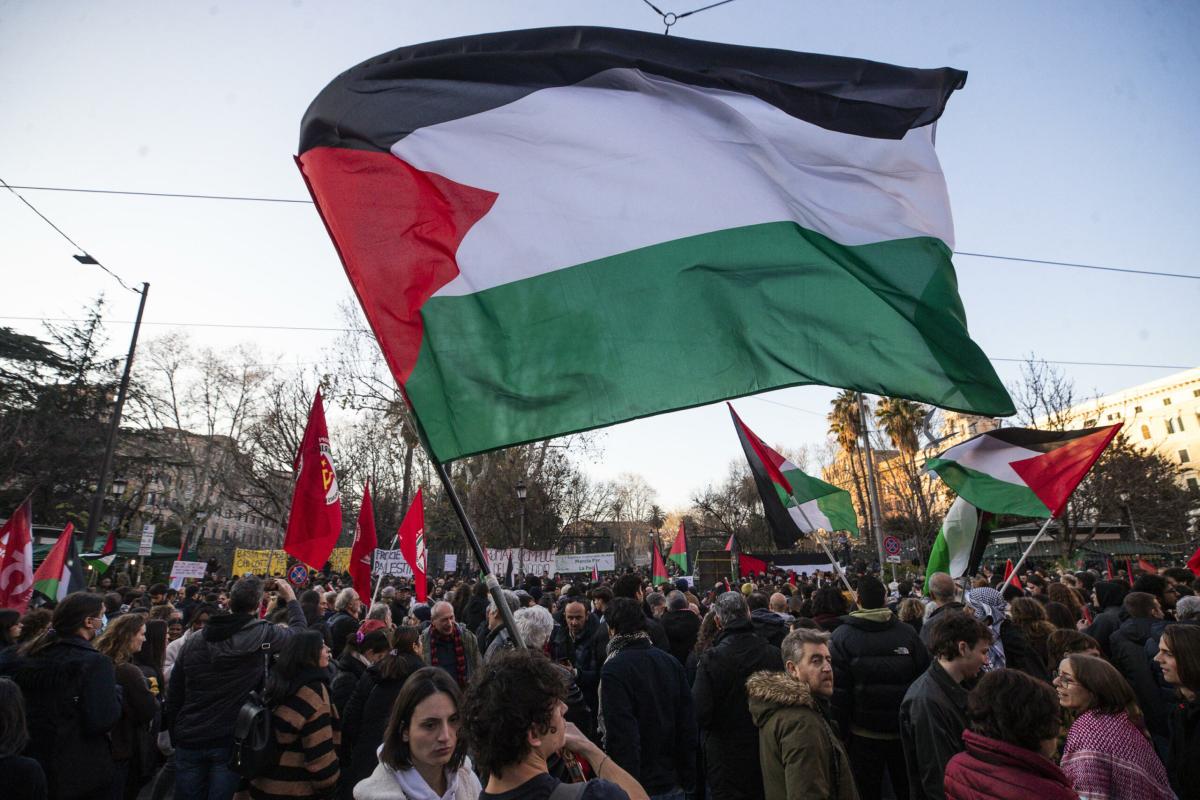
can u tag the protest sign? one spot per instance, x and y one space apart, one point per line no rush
188 569
391 562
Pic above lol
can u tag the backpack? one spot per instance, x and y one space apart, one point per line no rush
254 746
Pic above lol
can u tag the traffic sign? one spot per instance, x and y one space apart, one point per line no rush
892 545
298 575
893 559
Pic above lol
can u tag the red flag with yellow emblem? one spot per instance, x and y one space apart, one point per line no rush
315 521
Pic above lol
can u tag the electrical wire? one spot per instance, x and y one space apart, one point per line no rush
85 257
299 201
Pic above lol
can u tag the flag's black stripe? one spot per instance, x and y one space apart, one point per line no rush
783 527
377 103
1042 441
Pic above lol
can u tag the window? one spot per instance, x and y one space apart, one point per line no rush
1179 423
1091 423
1145 431
1183 457
1170 426
1195 392
1109 417
1193 484
1166 401
1137 409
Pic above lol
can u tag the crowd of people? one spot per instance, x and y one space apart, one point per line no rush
1067 686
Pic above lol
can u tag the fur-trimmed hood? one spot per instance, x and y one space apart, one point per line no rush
768 692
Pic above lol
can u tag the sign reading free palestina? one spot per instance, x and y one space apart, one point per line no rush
391 562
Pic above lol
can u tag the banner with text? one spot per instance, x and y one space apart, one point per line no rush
583 562
188 569
390 562
247 562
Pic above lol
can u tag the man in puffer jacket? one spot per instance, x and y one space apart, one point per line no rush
876 658
799 752
214 674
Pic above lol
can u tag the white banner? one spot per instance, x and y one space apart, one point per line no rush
583 562
451 564
498 560
539 562
188 569
391 562
805 569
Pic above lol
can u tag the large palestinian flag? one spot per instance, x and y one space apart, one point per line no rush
960 543
794 503
61 573
1021 471
554 230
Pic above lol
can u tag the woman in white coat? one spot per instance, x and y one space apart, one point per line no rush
422 756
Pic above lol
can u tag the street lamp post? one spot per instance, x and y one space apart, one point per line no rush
1125 497
521 493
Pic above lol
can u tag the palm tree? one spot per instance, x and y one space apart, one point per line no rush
901 420
845 425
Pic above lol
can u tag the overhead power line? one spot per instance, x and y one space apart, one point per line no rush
306 201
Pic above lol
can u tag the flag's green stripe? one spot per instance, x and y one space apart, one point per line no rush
987 493
840 511
692 321
47 588
939 559
680 560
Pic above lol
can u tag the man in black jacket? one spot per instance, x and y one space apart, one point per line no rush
729 734
933 713
581 642
630 586
214 674
681 624
649 724
1127 646
876 657
767 624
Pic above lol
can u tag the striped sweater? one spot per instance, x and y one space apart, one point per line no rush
307 730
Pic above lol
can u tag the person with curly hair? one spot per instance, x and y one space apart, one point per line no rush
1108 753
513 719
1010 741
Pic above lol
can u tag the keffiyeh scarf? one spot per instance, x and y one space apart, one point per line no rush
990 609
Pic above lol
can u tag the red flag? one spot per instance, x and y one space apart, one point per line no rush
364 545
1008 570
315 522
1147 567
792 577
1129 570
679 553
749 565
595 574
658 570
412 545
1108 565
16 567
1194 563
729 544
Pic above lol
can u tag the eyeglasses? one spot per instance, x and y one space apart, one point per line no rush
1064 680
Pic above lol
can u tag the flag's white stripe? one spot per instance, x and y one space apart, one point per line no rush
64 582
958 529
990 456
809 517
625 160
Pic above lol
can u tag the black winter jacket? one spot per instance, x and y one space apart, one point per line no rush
340 625
349 669
71 704
723 712
682 628
1128 654
876 657
1183 755
586 654
215 673
933 715
365 720
935 615
769 625
649 719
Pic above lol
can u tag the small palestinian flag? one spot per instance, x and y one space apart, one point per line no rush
104 559
679 551
794 503
658 570
960 543
61 573
559 229
1016 579
1021 471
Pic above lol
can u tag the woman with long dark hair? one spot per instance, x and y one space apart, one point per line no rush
71 699
10 627
1108 753
364 647
369 707
423 757
23 777
1179 657
304 722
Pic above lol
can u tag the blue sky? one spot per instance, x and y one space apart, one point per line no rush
1073 140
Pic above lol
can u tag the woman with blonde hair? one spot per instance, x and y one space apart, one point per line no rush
1108 754
124 637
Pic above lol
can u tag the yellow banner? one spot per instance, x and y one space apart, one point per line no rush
339 559
246 562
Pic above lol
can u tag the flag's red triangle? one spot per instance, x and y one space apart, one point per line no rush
1016 581
1147 567
658 568
771 460
1193 563
729 545
1054 475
